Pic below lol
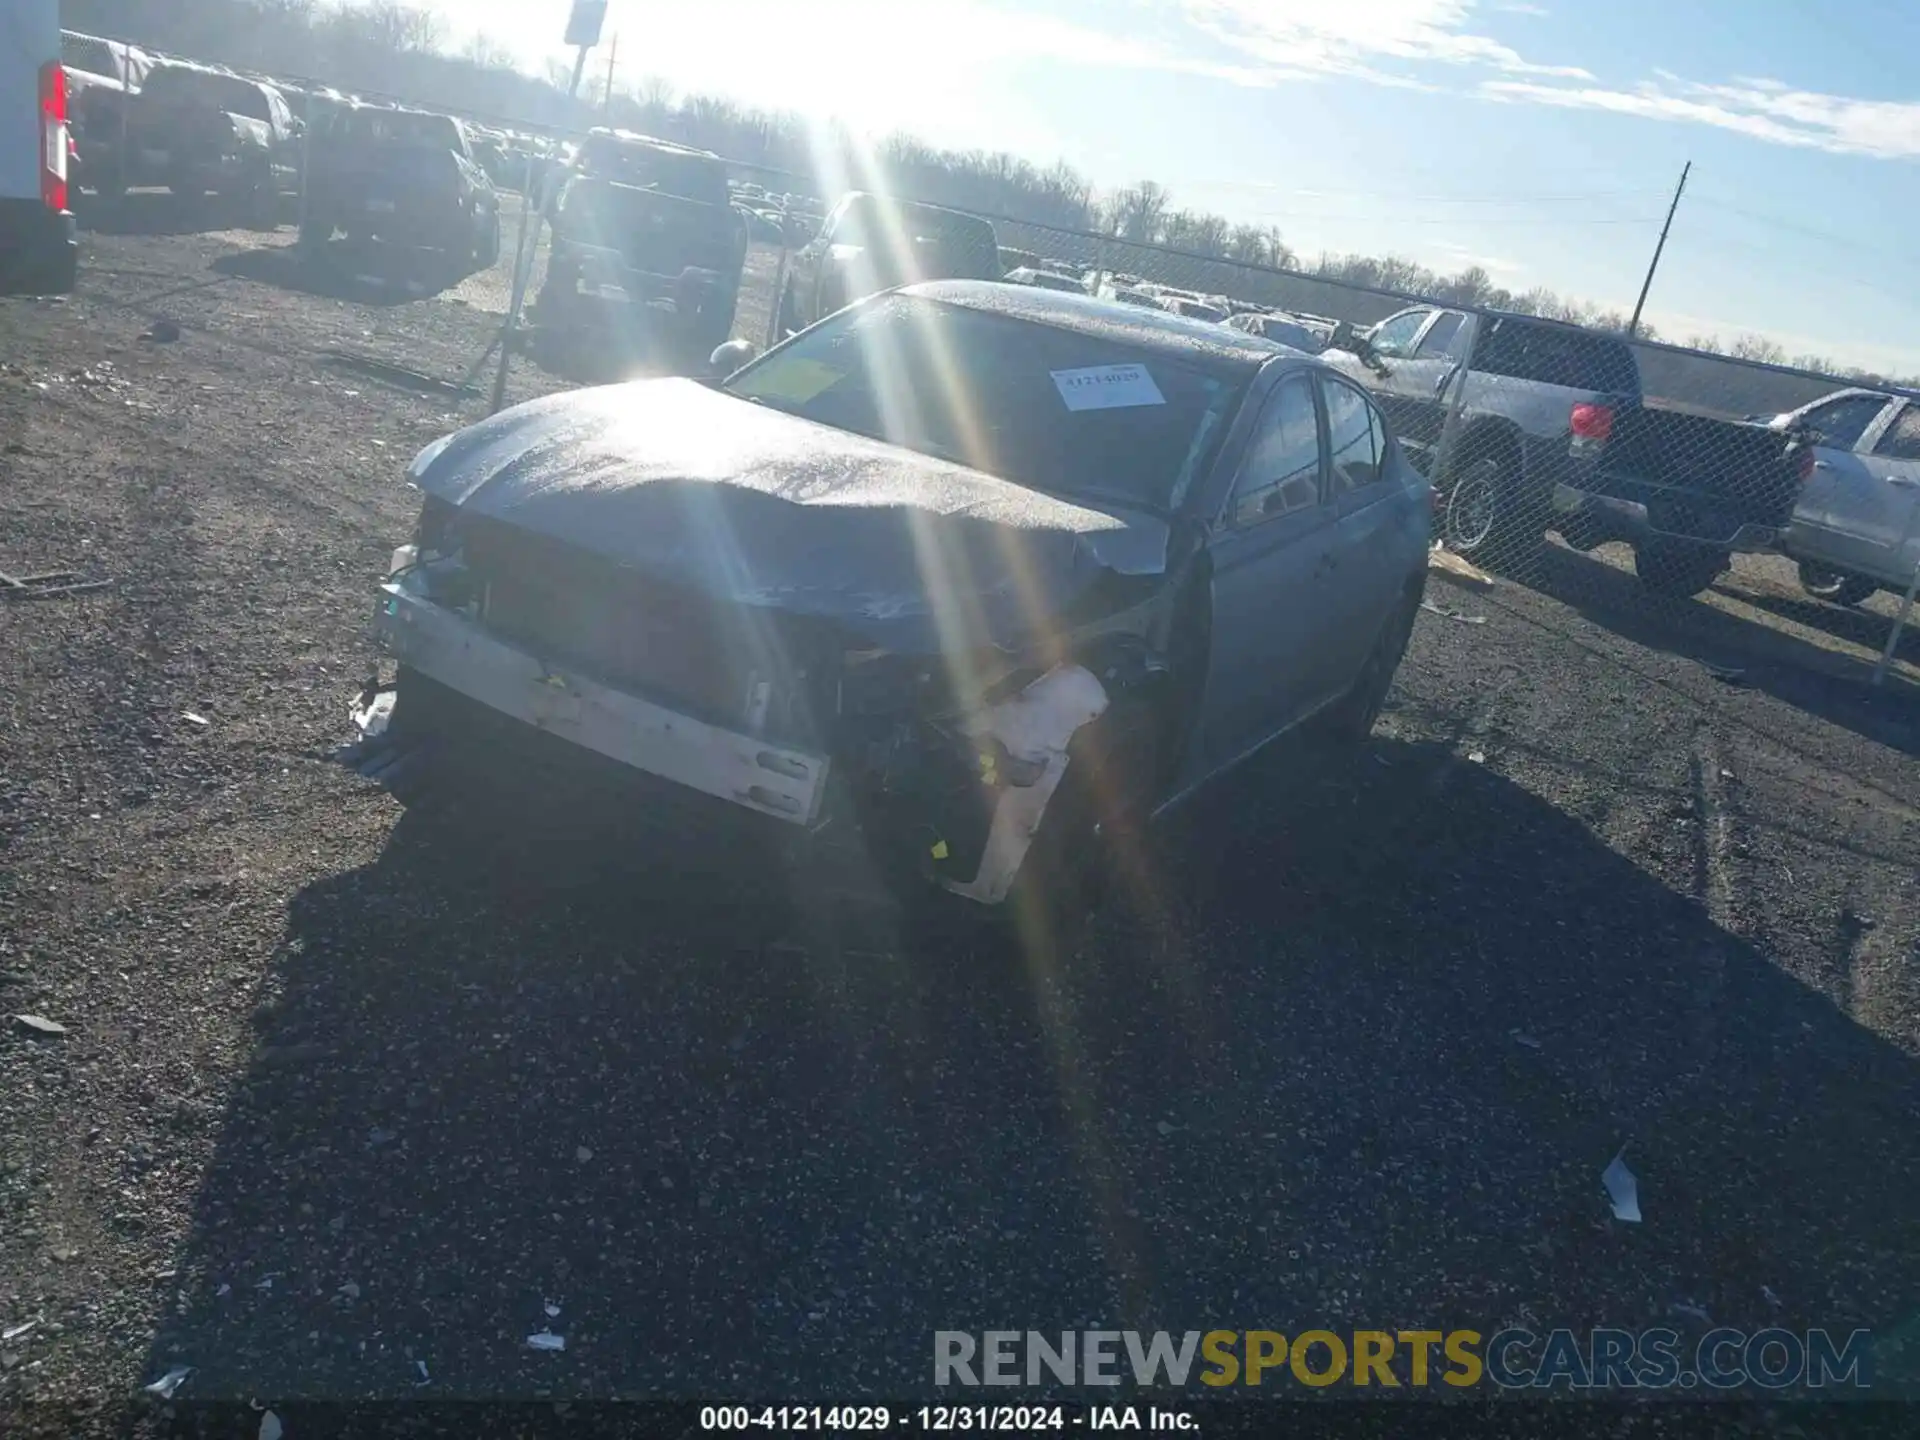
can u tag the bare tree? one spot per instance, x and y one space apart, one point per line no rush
1758 347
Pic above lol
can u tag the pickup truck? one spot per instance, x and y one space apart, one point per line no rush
195 129
656 222
1555 434
870 243
1856 526
407 177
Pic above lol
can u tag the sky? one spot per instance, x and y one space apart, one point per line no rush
1539 138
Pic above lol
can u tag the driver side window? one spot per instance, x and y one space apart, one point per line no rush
1394 338
1281 472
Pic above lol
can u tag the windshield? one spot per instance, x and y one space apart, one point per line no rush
691 177
92 56
1060 411
177 85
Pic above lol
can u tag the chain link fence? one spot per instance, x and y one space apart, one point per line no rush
1735 512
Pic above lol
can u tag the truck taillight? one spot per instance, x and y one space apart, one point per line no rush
53 135
1592 422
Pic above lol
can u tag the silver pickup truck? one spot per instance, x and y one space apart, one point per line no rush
1856 526
1554 433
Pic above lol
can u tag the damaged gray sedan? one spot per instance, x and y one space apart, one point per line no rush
986 575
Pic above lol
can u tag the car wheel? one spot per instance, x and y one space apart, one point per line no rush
1827 584
1352 718
1489 517
1676 570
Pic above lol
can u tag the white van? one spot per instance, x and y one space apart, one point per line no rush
37 247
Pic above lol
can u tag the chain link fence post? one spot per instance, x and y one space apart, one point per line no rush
776 301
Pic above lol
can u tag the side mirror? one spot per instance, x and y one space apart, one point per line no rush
732 356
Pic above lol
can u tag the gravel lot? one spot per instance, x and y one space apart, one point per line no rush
348 1093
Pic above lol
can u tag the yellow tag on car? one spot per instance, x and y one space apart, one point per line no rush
939 849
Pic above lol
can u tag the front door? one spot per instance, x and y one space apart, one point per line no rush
1874 520
1275 542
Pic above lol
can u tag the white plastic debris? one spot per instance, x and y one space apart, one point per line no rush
1766 1293
421 1366
192 719
546 1340
224 1289
1520 1037
1622 1189
15 1332
552 1309
1478 757
1691 1311
40 1024
164 1387
270 1427
372 719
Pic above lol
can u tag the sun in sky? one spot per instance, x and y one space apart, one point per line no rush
1538 139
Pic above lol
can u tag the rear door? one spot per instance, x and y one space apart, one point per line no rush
1275 535
1396 341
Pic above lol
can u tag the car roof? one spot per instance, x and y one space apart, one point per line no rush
649 142
1159 331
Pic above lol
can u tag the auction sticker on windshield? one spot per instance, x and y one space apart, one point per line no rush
1107 387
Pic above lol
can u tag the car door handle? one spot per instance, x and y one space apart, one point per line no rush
1823 464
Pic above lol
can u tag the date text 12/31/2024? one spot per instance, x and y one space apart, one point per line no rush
942 1419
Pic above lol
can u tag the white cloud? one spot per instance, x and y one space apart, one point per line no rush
1367 39
1767 110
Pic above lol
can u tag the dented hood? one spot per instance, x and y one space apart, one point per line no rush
747 504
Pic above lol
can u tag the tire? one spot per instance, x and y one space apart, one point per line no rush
1677 570
1351 719
1490 515
1825 584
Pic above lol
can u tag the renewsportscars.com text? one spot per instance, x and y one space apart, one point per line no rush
1599 1359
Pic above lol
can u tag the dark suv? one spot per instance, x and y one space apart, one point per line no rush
407 177
654 221
871 243
194 130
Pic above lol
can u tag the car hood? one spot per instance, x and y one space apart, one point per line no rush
747 504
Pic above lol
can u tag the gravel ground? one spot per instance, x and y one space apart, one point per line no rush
348 1094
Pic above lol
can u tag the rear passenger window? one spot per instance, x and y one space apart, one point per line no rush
1439 339
1902 440
1356 441
1281 474
1551 354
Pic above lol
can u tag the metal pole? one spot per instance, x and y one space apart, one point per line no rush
1906 602
613 56
1633 325
774 328
522 252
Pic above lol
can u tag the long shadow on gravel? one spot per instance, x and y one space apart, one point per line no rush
1833 686
364 274
1358 1058
160 212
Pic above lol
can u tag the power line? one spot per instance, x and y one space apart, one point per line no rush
1825 237
1454 199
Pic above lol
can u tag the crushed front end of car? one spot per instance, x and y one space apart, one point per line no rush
839 698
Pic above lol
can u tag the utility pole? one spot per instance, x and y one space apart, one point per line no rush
613 58
1633 325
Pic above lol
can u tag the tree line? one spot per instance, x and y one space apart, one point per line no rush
391 49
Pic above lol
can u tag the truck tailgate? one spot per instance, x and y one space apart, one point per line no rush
1688 459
